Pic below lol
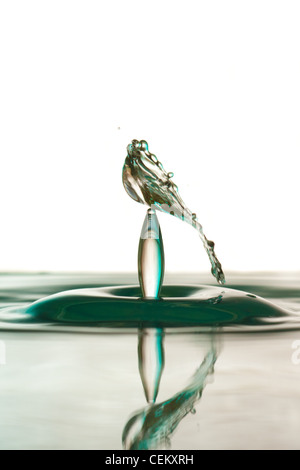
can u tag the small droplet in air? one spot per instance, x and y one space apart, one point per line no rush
210 243
143 145
193 411
170 174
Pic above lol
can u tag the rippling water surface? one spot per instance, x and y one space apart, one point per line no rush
224 382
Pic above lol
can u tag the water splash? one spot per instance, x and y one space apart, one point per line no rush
146 181
152 427
179 306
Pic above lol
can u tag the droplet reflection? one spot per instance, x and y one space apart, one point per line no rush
151 360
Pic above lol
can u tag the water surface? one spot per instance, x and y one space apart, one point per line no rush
71 386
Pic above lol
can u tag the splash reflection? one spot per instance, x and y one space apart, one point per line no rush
152 427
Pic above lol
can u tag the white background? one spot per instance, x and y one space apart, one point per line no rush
214 86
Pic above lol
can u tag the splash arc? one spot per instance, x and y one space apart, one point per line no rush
146 182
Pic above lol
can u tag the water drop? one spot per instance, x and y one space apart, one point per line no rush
170 174
160 166
143 145
193 411
153 158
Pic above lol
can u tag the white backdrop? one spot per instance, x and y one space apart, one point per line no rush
214 86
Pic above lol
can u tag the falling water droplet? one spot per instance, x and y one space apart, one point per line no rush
170 174
151 360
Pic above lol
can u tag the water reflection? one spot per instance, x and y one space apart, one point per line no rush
152 426
151 359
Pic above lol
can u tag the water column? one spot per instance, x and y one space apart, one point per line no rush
151 266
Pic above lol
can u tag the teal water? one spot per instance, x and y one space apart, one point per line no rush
179 306
220 371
